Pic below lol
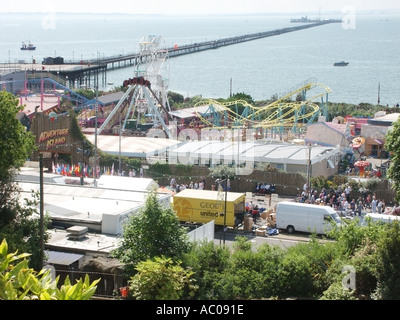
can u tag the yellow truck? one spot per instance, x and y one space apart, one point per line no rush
202 206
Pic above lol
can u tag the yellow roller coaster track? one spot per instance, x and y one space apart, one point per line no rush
281 112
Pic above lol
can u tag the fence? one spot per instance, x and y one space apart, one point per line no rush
108 286
287 184
203 233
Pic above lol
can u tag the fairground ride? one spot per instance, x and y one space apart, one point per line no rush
291 112
145 101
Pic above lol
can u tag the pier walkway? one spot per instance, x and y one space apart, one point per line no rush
135 58
80 72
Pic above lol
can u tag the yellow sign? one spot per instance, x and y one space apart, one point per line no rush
358 141
54 137
204 211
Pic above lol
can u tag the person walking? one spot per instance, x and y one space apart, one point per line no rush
374 203
379 206
360 207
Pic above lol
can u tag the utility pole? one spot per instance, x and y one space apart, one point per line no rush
120 131
41 212
96 106
309 167
226 197
83 160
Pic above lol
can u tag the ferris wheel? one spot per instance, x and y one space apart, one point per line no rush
145 101
154 66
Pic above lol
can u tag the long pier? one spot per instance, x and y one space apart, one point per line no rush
81 72
135 58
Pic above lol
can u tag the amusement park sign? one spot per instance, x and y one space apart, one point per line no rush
54 137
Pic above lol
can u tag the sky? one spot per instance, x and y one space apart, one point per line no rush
197 6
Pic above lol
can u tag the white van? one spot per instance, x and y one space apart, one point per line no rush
377 217
312 218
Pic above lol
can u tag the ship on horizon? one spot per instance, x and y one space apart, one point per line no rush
28 46
341 64
304 20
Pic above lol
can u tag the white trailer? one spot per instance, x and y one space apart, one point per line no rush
377 217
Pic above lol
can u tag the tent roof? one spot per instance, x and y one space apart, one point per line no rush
127 183
253 150
208 195
137 147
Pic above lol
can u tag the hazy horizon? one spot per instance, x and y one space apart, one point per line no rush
202 7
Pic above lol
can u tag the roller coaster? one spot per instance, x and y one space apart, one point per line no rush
283 114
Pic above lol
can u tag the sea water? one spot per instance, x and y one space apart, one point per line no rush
261 68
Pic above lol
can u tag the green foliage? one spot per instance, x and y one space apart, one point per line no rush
155 231
208 262
132 163
22 229
222 171
16 143
187 102
88 93
388 262
162 279
184 169
345 109
336 291
175 99
295 276
241 96
75 131
253 272
241 243
18 221
161 168
392 145
320 182
352 236
338 180
19 282
365 263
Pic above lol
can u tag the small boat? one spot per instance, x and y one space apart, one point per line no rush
28 46
340 64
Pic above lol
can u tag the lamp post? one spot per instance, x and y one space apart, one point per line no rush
83 161
119 153
309 167
95 137
41 212
226 196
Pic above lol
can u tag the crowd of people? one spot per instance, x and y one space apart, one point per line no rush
198 184
342 201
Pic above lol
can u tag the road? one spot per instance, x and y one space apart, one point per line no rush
282 240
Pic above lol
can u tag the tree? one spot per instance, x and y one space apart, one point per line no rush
16 143
19 282
392 144
154 232
223 171
162 279
18 223
388 271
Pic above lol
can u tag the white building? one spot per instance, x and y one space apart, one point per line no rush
102 209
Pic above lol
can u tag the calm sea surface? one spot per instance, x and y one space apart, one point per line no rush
260 68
